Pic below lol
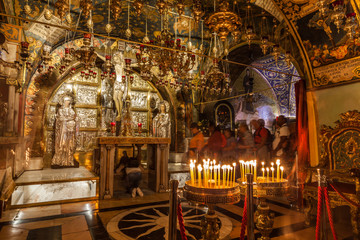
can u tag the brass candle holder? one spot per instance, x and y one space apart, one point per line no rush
210 196
264 219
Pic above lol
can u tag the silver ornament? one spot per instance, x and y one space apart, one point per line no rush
48 14
90 23
68 19
146 39
108 28
128 33
27 9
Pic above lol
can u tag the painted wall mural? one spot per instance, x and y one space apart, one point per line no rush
283 84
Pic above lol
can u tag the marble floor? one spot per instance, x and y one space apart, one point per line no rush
102 219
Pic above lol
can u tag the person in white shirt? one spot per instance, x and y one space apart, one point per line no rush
281 139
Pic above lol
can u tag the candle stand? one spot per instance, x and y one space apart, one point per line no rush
264 220
210 196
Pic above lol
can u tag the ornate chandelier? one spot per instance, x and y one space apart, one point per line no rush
144 63
46 58
215 82
223 21
197 11
24 55
86 54
167 60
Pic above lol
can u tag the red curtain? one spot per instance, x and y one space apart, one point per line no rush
302 129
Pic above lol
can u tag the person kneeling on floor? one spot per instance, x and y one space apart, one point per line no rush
133 176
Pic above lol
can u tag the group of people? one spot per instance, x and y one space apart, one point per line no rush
261 144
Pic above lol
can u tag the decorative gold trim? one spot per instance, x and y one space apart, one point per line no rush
133 140
348 121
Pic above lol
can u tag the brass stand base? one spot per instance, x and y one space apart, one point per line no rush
264 220
210 226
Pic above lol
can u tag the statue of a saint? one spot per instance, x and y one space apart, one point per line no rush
126 123
65 130
161 122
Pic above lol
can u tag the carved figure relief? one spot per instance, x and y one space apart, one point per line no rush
86 95
87 117
139 99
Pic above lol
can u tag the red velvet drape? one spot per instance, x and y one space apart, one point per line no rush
302 129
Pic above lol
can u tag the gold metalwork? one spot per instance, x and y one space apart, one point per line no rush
116 8
210 197
338 13
197 11
162 6
62 7
86 6
86 54
138 5
48 14
264 220
27 8
276 52
349 123
180 7
223 21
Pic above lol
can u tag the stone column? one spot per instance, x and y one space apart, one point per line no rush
16 113
10 117
107 171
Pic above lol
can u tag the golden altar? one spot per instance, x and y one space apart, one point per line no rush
157 154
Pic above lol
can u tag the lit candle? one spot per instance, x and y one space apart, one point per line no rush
192 172
211 171
263 170
224 175
234 164
278 170
242 170
282 172
219 175
272 173
199 174
215 174
255 173
267 174
231 175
